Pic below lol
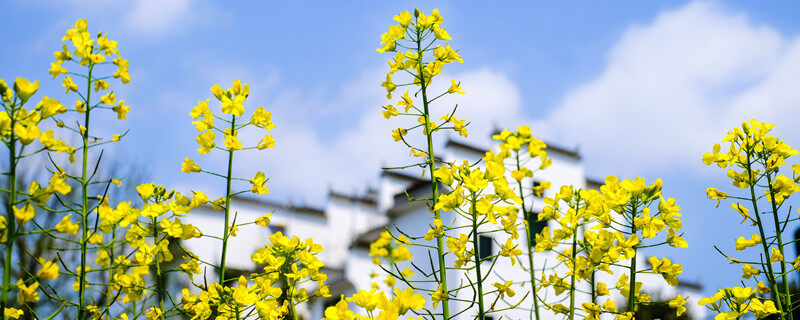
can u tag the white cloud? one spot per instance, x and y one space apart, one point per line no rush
674 86
308 160
158 17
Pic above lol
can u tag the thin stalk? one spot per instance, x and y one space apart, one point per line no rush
110 287
160 290
632 288
593 291
574 266
227 209
770 273
85 197
11 228
778 233
478 274
527 214
434 181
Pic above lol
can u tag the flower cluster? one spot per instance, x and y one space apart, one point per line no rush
756 163
600 229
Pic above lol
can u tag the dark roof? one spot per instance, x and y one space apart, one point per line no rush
366 200
416 190
464 145
593 183
365 239
550 148
694 285
400 174
286 206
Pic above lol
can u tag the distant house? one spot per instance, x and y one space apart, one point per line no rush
347 224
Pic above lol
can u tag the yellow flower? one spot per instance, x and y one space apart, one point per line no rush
108 99
776 255
154 313
24 214
231 141
742 243
58 184
27 293
146 190
121 110
206 141
99 84
677 304
233 106
63 55
267 142
439 295
24 89
56 69
264 220
475 180
67 226
26 133
389 111
455 87
241 295
407 102
262 119
49 269
12 313
403 18
258 184
339 312
49 107
368 300
69 85
748 271
504 289
407 300
188 166
510 250
398 133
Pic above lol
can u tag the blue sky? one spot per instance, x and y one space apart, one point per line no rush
642 88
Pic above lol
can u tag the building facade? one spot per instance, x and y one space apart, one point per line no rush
347 224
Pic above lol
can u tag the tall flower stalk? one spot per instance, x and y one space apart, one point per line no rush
756 162
419 35
518 150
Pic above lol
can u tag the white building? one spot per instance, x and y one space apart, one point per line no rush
349 223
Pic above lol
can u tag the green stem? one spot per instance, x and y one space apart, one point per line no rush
478 260
593 290
778 233
11 221
434 181
85 197
770 273
160 290
574 266
527 214
228 180
632 285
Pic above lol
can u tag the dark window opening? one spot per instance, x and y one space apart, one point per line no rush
484 247
330 303
277 228
535 226
537 183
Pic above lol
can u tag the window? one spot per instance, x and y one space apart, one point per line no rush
484 247
275 228
488 317
330 302
537 193
535 226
